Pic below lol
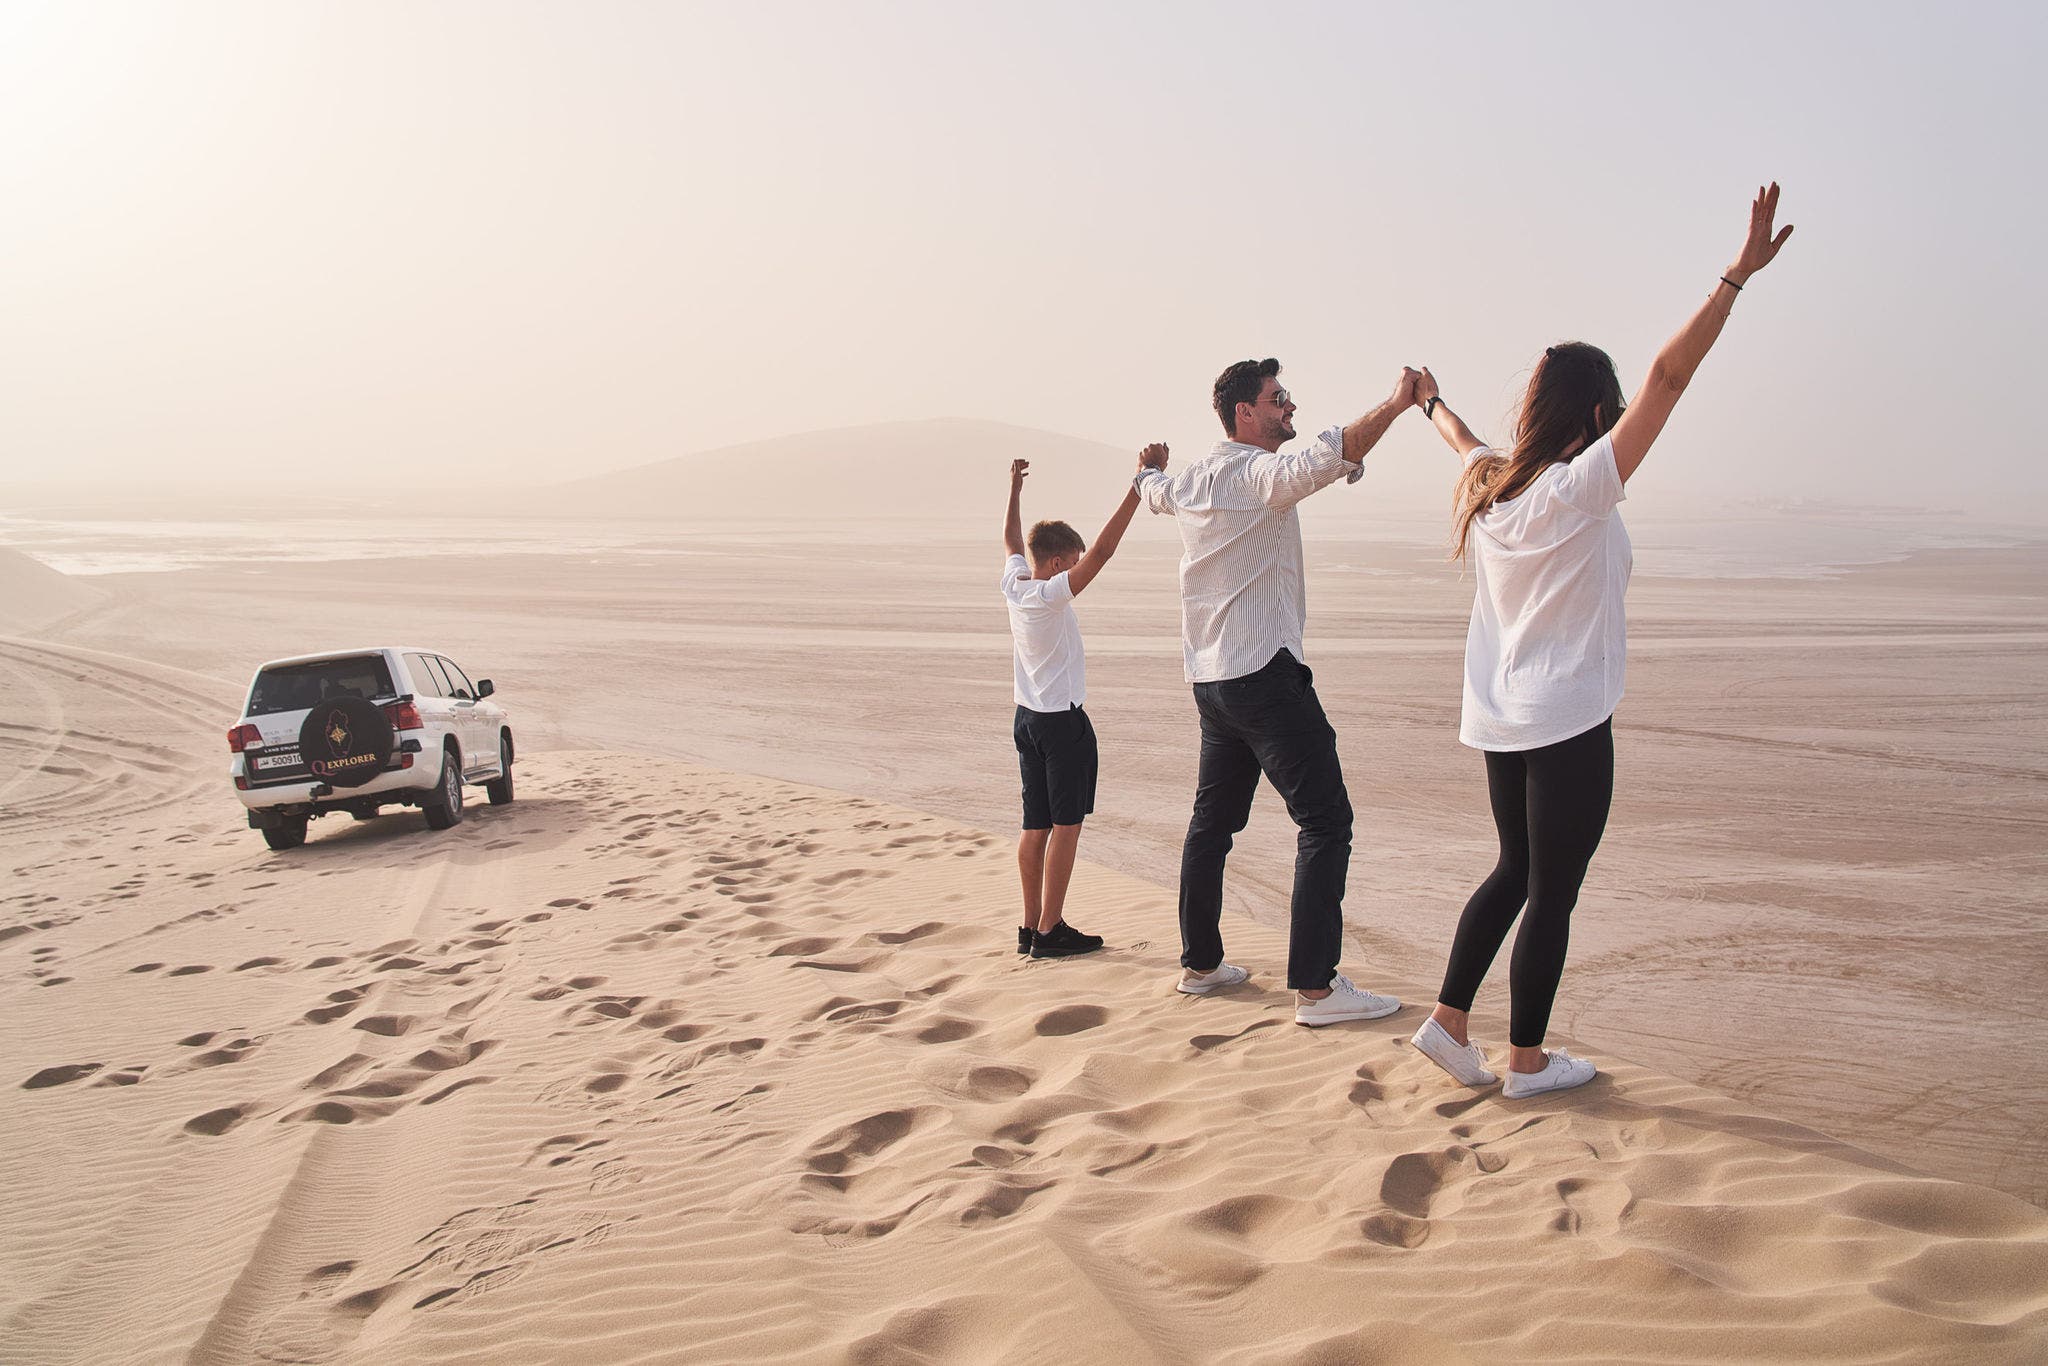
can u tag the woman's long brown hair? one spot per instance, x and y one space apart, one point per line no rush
1573 399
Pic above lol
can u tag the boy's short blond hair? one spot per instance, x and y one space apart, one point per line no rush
1048 539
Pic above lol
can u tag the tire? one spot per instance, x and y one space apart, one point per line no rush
499 789
443 806
287 832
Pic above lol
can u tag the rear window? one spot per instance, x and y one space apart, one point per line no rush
295 687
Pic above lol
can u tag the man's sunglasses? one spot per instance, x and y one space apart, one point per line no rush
1280 398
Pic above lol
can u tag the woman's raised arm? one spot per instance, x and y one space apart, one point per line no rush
1448 424
1673 369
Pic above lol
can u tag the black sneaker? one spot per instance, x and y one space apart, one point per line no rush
1063 941
1024 939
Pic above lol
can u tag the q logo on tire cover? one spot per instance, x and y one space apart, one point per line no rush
345 741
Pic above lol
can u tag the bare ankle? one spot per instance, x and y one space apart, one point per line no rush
1453 1022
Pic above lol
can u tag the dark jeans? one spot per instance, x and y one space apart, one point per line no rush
1268 722
1550 807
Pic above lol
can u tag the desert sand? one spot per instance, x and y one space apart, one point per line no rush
713 1046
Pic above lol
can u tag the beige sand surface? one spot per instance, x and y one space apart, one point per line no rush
666 1064
1820 891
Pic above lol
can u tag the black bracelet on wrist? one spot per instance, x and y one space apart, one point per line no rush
1429 407
1731 284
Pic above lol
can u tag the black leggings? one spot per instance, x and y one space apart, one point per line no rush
1550 806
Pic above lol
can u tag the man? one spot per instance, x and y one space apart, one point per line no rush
1242 614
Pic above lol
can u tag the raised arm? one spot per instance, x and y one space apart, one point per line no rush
1282 480
1013 520
1675 364
1361 436
1448 424
1153 457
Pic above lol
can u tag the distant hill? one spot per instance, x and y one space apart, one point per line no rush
941 467
32 594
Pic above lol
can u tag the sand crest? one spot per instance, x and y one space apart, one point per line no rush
33 595
665 1064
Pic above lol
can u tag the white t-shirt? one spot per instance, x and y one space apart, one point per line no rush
1046 636
1548 643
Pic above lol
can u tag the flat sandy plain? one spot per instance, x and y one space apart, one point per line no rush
712 1046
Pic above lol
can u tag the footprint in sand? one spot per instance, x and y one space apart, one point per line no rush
949 1029
214 1123
1414 1181
1395 1230
59 1076
1071 1020
1209 1043
233 1051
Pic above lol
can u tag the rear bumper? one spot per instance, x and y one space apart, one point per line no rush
311 796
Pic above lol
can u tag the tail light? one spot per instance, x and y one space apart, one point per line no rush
404 715
244 737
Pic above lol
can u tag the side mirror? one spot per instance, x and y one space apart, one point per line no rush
484 689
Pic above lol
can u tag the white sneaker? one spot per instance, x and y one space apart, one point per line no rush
1561 1071
1345 1002
1462 1060
1202 983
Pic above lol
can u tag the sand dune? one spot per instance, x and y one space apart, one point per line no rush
940 467
33 595
665 1064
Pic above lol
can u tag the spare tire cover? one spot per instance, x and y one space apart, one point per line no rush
345 741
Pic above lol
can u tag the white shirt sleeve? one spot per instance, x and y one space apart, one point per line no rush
1591 482
1015 572
1156 489
1284 480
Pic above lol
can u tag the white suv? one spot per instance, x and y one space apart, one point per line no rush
356 730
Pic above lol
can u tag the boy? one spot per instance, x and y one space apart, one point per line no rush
1055 741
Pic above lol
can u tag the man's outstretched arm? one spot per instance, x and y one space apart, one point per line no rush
1153 457
1361 436
1284 480
1013 520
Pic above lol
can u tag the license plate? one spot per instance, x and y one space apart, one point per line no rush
286 760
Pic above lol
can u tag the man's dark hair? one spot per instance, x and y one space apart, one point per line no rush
1241 384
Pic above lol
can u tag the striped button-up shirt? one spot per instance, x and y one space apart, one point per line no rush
1241 598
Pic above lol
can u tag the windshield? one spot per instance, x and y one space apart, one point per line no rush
296 687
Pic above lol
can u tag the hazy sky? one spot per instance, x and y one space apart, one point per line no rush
545 240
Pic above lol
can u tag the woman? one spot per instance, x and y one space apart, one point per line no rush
1544 657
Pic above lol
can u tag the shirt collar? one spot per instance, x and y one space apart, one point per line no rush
1224 448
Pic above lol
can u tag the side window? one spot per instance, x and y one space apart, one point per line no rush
441 688
458 682
424 678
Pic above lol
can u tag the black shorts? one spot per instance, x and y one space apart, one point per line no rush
1056 754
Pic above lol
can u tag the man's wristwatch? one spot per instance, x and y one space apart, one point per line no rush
1429 406
1143 470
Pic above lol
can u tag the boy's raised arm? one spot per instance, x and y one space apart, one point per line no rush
1153 457
1013 520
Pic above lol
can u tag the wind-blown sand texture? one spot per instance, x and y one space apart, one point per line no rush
667 1064
1829 835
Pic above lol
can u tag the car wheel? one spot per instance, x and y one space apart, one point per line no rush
443 806
499 789
287 832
